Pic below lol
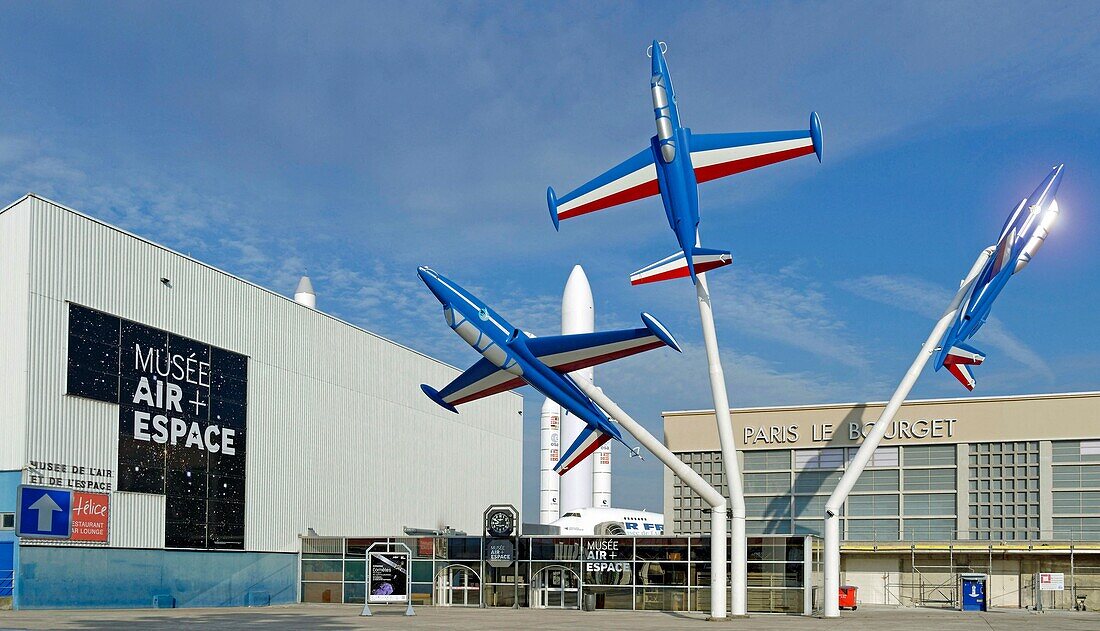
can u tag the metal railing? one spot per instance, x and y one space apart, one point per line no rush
7 583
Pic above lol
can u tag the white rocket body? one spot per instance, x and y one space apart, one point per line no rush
577 316
550 434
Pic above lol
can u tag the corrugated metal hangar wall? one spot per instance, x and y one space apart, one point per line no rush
334 434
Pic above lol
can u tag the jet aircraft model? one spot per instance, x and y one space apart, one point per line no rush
512 358
674 164
1022 236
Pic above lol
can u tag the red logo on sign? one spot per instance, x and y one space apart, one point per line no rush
91 512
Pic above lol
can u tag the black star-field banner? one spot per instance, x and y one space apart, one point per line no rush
182 410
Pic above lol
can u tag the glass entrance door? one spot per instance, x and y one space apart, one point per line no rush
457 586
556 588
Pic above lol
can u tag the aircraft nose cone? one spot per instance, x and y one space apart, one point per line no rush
658 58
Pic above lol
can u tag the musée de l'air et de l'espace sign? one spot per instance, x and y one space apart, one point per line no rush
182 421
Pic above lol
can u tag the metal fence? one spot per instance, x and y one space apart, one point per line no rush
7 583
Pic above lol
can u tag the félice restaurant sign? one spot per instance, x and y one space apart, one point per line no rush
91 516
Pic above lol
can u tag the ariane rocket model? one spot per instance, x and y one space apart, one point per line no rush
1023 234
674 164
512 358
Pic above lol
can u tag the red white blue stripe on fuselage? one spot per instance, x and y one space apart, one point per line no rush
542 362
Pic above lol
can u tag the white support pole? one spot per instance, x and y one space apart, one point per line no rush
695 481
739 551
874 437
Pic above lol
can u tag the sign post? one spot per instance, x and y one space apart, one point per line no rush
388 577
501 523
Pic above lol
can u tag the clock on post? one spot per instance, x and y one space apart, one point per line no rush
501 520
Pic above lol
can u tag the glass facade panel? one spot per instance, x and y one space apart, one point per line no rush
928 455
1076 476
810 527
1076 451
929 529
767 482
819 458
767 460
816 481
873 530
884 480
930 479
758 527
322 592
930 504
873 505
322 570
1077 528
1076 502
810 506
882 456
769 507
775 600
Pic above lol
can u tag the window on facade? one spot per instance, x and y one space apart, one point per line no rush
767 482
930 504
929 529
760 527
929 455
767 460
881 457
770 507
886 480
813 506
819 459
1077 528
873 505
7 521
1076 502
809 527
816 481
873 530
1076 476
1076 451
930 479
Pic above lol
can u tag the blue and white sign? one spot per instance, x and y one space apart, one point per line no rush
44 513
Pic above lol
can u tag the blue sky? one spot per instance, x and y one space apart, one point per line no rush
356 141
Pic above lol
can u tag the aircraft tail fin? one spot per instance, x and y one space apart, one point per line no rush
588 441
957 361
677 266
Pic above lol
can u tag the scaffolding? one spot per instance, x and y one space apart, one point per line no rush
928 573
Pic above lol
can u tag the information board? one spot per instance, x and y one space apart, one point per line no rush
1052 581
388 577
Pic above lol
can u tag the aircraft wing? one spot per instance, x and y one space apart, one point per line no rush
566 353
718 155
480 380
634 179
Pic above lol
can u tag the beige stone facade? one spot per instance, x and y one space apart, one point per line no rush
1005 486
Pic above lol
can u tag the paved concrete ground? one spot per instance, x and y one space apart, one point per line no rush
322 617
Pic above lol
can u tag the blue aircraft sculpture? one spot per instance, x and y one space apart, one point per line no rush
1022 236
512 358
674 164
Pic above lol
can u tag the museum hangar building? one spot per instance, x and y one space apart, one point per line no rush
212 422
1003 486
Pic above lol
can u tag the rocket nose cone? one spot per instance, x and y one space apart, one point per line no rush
577 288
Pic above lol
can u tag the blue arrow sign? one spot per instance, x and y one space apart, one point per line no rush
44 512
